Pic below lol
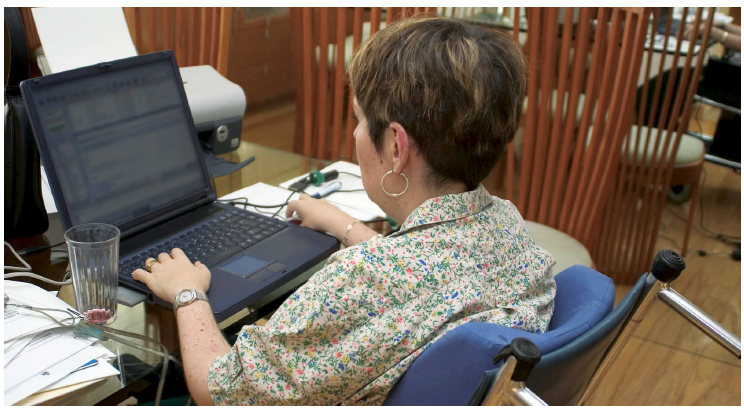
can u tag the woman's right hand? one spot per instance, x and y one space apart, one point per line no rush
319 215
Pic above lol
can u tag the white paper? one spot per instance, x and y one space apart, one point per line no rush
355 200
20 321
49 376
263 194
46 349
75 37
99 371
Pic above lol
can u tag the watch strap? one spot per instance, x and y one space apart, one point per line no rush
196 296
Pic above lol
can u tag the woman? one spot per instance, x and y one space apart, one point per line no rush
437 101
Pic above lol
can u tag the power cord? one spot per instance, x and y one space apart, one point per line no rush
25 270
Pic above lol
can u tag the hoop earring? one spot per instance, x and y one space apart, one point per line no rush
382 184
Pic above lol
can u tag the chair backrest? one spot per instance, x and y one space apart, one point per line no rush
665 89
577 361
197 35
449 370
562 375
328 36
581 69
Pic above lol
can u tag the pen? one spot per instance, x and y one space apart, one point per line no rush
327 190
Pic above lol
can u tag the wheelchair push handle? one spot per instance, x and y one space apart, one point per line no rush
525 352
520 356
667 266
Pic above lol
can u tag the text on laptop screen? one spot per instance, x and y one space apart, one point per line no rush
120 143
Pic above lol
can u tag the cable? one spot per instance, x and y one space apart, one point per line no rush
35 276
702 211
350 173
26 267
727 239
36 249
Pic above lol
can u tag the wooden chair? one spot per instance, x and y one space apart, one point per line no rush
197 35
325 123
655 156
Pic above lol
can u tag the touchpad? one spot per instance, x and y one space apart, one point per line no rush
245 266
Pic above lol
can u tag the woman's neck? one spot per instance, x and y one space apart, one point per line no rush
415 197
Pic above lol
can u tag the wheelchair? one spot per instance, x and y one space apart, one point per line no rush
487 364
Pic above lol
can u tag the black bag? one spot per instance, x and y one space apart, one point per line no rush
25 214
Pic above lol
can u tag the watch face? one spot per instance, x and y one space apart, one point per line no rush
184 296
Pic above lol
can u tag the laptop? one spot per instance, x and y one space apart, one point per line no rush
119 146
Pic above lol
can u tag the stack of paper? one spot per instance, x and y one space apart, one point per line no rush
40 355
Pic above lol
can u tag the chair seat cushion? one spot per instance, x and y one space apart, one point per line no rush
566 250
690 149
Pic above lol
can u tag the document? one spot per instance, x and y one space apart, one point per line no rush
49 376
44 351
263 194
75 37
100 370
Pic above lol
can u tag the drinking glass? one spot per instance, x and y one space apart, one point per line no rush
94 259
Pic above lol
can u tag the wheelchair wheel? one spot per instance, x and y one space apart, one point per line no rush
680 193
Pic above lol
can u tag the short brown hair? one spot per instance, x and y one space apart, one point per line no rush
455 87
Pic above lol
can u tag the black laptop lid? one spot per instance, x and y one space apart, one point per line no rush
118 141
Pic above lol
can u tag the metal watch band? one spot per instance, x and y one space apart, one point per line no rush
196 295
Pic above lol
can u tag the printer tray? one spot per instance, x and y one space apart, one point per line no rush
218 167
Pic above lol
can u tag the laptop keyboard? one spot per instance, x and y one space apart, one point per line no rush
214 240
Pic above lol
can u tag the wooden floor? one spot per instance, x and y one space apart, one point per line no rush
667 361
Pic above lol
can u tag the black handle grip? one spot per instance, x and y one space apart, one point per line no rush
527 354
667 266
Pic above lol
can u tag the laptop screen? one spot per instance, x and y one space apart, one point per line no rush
119 142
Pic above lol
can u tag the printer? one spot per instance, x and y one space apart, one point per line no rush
217 106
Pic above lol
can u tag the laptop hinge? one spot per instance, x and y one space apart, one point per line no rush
164 217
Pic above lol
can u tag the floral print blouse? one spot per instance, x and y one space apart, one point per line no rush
353 329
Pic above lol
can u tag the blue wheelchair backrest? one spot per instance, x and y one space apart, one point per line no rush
450 370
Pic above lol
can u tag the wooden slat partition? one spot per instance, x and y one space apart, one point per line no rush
533 31
577 78
338 100
632 220
510 148
555 140
570 153
549 38
322 82
351 122
325 116
197 35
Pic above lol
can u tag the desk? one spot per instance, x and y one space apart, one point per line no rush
271 166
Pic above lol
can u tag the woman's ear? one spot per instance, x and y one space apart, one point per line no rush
400 147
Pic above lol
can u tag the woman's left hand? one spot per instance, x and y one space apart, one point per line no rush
173 273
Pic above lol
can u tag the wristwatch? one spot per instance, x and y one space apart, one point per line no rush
187 297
